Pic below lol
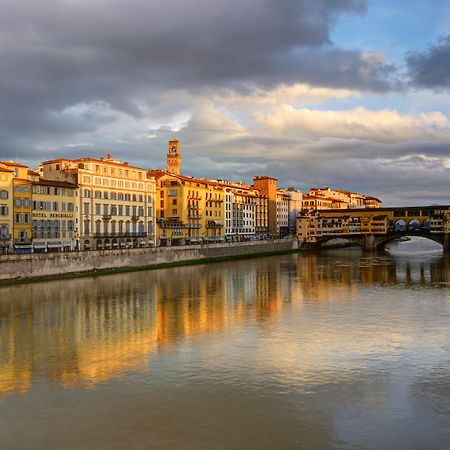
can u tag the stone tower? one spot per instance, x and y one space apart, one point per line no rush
268 187
174 156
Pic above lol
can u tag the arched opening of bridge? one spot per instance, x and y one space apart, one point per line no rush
400 225
412 246
339 243
414 225
426 225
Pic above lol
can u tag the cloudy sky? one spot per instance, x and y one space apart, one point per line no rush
349 93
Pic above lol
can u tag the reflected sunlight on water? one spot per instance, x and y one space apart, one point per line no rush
318 350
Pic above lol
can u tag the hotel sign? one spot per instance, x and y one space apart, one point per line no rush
45 215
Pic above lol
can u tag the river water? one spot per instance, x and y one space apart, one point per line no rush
337 349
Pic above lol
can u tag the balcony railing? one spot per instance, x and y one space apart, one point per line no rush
5 237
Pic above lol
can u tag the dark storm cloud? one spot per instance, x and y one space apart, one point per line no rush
431 68
55 54
399 174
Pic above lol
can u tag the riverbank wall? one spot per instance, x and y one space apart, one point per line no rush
30 267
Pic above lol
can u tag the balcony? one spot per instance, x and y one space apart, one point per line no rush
5 237
135 218
106 217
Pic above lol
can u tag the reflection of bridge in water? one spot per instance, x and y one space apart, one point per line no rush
373 228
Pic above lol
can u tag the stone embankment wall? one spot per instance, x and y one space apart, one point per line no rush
17 267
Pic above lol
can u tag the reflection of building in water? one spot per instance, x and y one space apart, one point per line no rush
87 331
343 273
15 354
90 331
88 334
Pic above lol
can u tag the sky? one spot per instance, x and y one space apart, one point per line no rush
352 94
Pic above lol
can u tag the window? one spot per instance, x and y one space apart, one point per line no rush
174 201
3 195
86 208
172 192
87 193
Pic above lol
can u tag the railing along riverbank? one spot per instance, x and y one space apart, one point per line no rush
17 268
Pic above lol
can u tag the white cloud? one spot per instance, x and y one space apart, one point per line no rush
384 125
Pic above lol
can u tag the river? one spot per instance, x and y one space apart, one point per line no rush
334 349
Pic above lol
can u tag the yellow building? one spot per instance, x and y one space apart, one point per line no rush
189 210
6 208
54 215
116 201
21 231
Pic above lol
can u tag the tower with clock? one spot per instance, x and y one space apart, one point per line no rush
174 156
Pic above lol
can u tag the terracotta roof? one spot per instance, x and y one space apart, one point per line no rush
95 160
12 163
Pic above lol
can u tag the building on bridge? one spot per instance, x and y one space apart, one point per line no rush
374 228
327 198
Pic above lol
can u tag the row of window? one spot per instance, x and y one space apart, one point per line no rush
22 189
51 190
117 210
22 202
121 228
49 225
22 218
53 206
114 183
112 171
123 196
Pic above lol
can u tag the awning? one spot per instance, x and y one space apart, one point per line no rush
54 244
39 244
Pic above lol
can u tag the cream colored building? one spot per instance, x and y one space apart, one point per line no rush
327 198
116 201
54 215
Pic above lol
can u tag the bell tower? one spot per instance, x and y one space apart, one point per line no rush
174 156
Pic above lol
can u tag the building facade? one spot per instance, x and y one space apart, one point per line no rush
6 208
116 201
189 209
21 234
54 215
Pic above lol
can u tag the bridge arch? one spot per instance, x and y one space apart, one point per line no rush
400 225
413 225
426 225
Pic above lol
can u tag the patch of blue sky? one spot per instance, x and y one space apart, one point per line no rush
394 27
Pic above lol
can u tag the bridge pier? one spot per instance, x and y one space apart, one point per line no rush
446 243
369 242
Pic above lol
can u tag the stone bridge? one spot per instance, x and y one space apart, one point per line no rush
372 228
377 242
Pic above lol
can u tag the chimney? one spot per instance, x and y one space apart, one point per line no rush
109 155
